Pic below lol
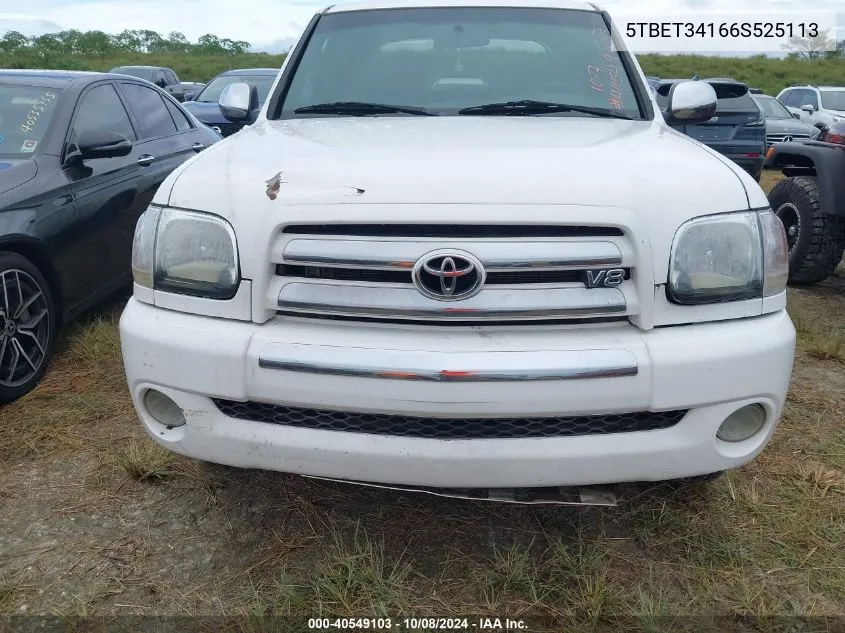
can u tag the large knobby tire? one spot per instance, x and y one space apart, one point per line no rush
28 326
816 240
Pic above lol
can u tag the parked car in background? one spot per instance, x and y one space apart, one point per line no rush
781 124
206 108
81 157
817 105
164 78
833 134
738 129
403 276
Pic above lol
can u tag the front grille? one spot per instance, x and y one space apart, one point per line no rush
226 129
771 139
530 272
449 428
404 277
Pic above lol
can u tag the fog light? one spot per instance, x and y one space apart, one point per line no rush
163 409
742 424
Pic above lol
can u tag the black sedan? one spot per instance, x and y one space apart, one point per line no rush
81 156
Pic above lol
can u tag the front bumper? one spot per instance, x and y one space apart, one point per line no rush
711 369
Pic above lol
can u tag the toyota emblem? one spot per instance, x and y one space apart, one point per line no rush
448 275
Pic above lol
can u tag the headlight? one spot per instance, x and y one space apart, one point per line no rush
775 253
185 252
728 257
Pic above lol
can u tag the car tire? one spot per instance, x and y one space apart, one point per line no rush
28 326
816 240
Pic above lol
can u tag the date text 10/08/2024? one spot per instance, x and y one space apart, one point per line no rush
411 624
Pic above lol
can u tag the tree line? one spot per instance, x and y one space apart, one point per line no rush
807 61
99 44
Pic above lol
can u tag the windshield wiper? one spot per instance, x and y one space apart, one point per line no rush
360 108
527 107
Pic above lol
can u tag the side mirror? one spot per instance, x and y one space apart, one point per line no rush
190 96
101 144
808 108
238 102
161 83
691 103
795 115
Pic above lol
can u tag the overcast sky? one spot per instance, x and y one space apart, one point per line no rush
272 25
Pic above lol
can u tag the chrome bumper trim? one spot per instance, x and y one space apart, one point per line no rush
457 367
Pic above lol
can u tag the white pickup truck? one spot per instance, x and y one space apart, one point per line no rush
460 247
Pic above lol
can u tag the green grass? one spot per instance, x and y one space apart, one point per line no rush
769 74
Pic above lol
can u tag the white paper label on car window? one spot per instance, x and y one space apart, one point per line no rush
29 146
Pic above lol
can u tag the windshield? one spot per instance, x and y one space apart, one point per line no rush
448 59
25 115
211 93
772 108
141 73
833 99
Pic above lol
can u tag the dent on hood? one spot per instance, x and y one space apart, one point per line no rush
274 185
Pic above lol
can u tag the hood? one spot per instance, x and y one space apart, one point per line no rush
783 126
365 168
205 112
15 172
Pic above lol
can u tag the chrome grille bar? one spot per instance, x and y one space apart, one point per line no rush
398 301
498 256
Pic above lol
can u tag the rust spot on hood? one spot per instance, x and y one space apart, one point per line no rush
273 186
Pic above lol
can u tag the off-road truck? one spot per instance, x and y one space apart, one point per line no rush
810 202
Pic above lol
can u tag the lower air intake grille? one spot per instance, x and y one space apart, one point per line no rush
449 428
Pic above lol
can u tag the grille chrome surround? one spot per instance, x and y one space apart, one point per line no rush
532 272
449 428
496 256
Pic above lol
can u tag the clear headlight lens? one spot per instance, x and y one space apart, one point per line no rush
143 247
185 252
775 253
728 257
